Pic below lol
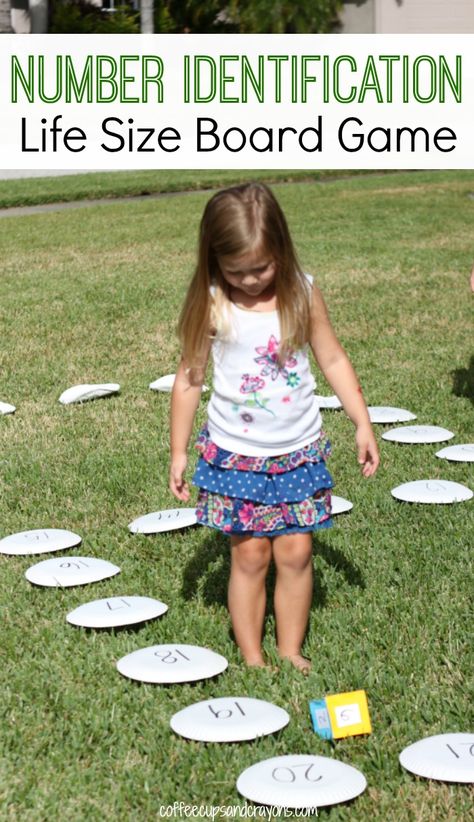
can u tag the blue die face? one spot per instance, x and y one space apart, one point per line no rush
320 718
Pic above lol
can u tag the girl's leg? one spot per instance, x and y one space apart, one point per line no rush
293 592
250 560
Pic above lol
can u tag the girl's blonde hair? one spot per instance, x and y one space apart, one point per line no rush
236 221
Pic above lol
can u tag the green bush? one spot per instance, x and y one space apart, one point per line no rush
246 16
304 17
81 17
198 16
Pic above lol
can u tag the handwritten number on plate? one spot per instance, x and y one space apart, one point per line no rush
225 713
291 772
470 745
168 657
118 607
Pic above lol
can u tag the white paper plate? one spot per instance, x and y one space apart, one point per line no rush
385 414
116 612
39 541
340 505
298 781
63 573
168 520
6 408
458 453
81 393
229 719
163 383
448 757
418 433
432 490
164 664
166 383
328 402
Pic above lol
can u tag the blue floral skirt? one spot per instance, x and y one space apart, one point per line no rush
263 496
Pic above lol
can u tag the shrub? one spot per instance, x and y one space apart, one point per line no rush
81 17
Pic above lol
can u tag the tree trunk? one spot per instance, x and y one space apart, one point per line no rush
5 17
147 23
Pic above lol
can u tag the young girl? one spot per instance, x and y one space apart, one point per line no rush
261 475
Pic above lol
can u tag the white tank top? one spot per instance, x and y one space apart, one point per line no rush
257 407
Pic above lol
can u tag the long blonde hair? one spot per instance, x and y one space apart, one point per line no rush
237 220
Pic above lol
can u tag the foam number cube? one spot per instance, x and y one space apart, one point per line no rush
341 715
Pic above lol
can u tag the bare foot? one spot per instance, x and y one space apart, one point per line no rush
260 663
256 662
299 662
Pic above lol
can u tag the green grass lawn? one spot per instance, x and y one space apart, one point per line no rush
94 296
37 190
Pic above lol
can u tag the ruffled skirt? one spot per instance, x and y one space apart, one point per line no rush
263 496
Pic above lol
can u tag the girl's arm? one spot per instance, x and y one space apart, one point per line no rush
337 369
185 398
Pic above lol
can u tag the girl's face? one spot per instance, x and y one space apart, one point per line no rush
252 273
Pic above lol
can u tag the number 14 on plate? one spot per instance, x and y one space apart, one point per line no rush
340 715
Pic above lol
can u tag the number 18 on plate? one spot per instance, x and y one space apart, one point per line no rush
340 715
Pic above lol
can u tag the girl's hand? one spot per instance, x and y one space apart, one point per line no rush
367 451
178 486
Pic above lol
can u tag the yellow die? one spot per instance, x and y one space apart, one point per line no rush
348 714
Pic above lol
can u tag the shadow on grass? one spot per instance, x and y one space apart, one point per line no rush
463 381
207 572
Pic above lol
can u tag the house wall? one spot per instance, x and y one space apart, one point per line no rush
424 16
21 23
357 17
407 16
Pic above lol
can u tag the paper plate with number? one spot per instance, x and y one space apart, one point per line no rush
432 491
385 414
328 402
448 757
166 664
229 719
411 434
64 573
115 612
168 520
6 408
297 781
82 393
458 453
166 383
39 541
339 505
